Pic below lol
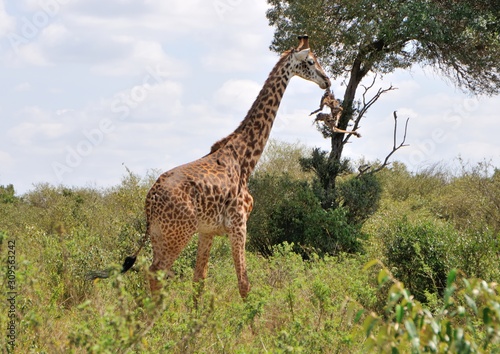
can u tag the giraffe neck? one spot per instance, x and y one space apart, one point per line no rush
249 139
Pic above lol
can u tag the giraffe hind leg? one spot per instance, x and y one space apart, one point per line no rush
166 250
205 242
204 245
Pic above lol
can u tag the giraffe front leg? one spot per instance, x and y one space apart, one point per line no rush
237 238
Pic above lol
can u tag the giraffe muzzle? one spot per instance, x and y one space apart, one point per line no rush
326 84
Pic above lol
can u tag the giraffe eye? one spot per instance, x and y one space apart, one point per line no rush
310 62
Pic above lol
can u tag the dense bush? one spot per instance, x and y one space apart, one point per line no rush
281 157
471 199
467 320
310 213
7 194
359 196
433 220
477 251
323 168
419 254
288 210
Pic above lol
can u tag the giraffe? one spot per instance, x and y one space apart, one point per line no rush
209 196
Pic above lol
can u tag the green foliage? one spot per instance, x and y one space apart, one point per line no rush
465 204
288 210
281 157
458 37
360 196
468 321
324 168
401 185
324 304
472 198
419 254
477 251
7 194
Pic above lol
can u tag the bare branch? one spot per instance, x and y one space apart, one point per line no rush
367 104
395 147
368 88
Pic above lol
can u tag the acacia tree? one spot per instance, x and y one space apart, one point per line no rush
352 38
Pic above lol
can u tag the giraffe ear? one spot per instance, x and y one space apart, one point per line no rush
303 54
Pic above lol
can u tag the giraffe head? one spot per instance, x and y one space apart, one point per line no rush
303 63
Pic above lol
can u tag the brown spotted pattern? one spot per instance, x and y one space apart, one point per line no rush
209 196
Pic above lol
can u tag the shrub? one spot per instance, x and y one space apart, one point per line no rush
7 194
324 168
477 250
281 157
468 321
288 210
420 254
359 196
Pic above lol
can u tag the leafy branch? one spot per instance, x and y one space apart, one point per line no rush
468 321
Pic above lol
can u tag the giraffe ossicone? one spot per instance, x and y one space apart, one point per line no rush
210 196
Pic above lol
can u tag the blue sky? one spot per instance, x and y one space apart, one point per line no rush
91 86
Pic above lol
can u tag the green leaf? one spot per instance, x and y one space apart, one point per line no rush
351 307
472 304
449 331
435 327
369 323
448 292
410 327
383 276
452 275
459 335
399 313
370 264
358 315
486 316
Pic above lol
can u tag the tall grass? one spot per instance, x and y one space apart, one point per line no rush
322 305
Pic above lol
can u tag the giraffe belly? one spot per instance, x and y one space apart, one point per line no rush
212 222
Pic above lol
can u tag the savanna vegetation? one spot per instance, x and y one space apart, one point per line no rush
404 263
390 262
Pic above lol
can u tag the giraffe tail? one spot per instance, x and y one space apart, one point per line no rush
130 260
127 264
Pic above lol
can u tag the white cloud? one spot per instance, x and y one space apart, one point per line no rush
24 86
6 159
7 23
28 54
141 55
177 17
237 95
36 127
242 52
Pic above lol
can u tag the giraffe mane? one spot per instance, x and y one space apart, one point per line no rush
222 142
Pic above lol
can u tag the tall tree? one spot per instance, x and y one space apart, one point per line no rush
352 38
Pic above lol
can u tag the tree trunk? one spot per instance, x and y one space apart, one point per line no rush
337 139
